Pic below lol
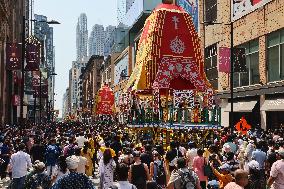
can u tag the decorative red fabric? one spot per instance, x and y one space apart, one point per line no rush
105 101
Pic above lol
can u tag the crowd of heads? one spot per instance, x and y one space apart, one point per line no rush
128 145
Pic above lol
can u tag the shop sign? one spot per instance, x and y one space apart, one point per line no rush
241 8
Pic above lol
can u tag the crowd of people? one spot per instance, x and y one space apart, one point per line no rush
72 155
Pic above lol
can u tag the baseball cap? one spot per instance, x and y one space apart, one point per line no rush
253 165
72 162
225 167
39 165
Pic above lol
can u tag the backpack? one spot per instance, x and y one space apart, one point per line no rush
52 152
40 181
174 161
71 150
187 180
160 177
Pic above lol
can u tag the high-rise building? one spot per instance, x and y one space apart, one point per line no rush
11 24
82 37
96 40
45 33
109 30
109 40
129 4
74 85
65 103
121 10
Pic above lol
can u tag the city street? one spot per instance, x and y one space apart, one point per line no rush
142 94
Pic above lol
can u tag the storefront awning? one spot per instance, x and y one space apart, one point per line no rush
241 106
273 105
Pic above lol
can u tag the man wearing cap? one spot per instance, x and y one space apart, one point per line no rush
276 179
224 176
38 178
73 180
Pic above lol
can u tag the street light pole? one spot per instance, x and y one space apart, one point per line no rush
232 78
231 115
22 73
40 97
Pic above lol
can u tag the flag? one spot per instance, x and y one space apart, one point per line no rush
32 57
16 100
13 56
41 89
44 91
224 59
239 60
36 78
36 91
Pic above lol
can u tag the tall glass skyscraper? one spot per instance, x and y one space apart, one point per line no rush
96 40
121 10
82 37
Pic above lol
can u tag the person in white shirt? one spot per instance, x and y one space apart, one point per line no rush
20 162
82 165
191 153
80 140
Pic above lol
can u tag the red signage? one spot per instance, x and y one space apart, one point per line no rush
16 100
13 56
32 57
105 103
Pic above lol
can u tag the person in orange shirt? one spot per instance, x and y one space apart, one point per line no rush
224 176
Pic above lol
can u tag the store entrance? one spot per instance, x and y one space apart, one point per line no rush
274 119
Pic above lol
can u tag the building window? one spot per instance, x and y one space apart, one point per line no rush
210 10
211 69
275 56
251 76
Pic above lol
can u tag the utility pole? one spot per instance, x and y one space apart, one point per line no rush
40 96
232 78
21 120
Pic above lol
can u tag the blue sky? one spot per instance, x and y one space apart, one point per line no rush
67 13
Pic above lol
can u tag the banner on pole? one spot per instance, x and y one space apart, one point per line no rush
41 89
13 56
16 100
224 59
36 78
32 57
44 91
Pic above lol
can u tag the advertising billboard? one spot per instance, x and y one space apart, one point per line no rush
191 7
243 7
121 69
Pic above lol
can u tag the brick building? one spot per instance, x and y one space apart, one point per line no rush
258 93
91 83
11 24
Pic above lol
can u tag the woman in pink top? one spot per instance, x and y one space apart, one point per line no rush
198 168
